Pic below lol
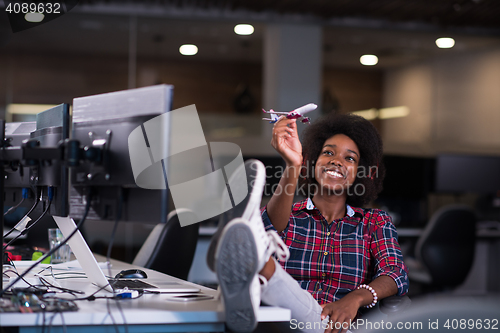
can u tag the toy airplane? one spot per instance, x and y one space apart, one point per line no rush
295 114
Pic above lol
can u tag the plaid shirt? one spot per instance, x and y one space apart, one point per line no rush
330 260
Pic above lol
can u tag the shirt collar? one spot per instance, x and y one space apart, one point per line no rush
310 206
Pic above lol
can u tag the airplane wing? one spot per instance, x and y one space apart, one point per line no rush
276 112
274 115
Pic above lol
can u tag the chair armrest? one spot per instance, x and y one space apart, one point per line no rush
394 304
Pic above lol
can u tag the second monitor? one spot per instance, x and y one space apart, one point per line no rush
105 122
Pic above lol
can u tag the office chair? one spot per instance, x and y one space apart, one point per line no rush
444 253
169 247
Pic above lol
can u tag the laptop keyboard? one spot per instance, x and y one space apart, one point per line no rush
130 284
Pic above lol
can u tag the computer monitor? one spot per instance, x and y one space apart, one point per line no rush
407 184
50 128
17 176
459 173
275 166
408 176
106 121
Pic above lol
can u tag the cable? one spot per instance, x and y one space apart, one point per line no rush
108 260
13 208
73 275
21 222
50 195
25 230
62 319
111 316
66 290
92 296
22 278
117 219
51 321
63 242
44 308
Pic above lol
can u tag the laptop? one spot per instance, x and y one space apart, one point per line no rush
95 274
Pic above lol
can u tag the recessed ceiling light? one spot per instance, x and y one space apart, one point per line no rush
34 17
188 49
368 60
445 42
244 29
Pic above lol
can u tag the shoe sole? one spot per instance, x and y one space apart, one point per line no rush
236 268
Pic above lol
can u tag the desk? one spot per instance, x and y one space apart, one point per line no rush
149 313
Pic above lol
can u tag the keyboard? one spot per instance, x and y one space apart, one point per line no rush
129 284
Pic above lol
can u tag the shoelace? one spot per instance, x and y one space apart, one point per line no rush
278 246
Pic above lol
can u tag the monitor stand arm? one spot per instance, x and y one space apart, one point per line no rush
31 154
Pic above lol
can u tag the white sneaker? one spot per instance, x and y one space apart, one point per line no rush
242 251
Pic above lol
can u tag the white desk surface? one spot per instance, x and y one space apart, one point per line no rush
149 313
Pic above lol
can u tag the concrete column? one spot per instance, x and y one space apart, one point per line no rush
292 68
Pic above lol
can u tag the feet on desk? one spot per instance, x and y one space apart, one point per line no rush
237 268
243 249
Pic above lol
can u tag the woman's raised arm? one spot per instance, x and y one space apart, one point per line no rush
286 142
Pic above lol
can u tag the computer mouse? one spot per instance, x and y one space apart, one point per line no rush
131 274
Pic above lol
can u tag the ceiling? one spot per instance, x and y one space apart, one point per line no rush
442 13
397 31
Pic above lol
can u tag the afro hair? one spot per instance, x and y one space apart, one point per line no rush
371 170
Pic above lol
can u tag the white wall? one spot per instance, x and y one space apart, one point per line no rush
454 105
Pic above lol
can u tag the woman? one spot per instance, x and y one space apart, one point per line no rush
343 257
334 246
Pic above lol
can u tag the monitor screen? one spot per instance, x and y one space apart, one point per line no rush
408 176
407 184
467 173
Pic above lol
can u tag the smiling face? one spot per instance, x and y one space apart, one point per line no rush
337 164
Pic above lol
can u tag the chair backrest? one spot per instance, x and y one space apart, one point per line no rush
447 245
253 175
169 247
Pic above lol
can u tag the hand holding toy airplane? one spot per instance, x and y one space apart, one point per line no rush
295 114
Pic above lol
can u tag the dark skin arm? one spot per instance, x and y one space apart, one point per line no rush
345 309
286 142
